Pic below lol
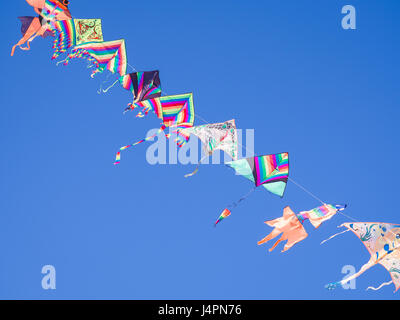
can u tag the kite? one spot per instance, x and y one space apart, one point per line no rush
174 111
72 32
109 55
291 228
382 241
216 136
143 85
48 11
270 171
319 215
291 225
226 213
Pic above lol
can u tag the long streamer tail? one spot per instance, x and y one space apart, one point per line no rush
227 211
118 156
380 287
364 268
331 237
192 173
197 168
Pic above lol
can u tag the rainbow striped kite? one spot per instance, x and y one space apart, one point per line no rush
65 37
270 171
175 112
109 55
226 213
143 85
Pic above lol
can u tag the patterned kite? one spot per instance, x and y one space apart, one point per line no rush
72 32
109 55
270 171
382 241
216 136
291 225
143 85
175 112
48 11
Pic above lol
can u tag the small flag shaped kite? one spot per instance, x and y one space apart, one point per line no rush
226 213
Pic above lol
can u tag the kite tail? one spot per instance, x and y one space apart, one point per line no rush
106 90
380 287
331 237
195 170
193 173
227 211
235 204
364 268
83 54
118 156
181 139
61 42
141 114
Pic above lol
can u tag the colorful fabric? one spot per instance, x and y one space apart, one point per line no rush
88 30
270 171
290 228
382 241
51 9
174 111
226 213
69 33
318 215
109 55
65 35
216 136
143 85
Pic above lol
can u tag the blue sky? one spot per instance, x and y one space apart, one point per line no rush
286 69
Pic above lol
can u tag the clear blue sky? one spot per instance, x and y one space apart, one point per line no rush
328 96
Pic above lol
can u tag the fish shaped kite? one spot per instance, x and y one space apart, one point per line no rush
215 136
382 241
73 32
109 55
270 171
291 226
48 11
175 112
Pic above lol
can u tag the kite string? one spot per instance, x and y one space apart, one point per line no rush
296 183
235 204
247 150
